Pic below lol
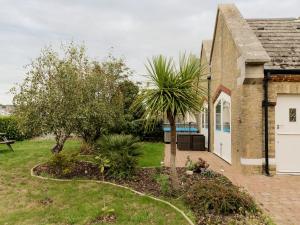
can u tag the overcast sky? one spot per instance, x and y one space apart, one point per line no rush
136 29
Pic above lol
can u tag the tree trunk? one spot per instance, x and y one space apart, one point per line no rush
60 141
174 176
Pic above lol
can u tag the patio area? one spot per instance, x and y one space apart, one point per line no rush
278 195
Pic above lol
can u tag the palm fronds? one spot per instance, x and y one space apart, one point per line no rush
175 90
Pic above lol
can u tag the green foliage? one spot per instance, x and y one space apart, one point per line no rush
153 154
70 93
129 91
9 125
102 163
122 151
76 202
61 165
176 90
164 182
218 197
101 100
48 99
189 165
131 123
137 128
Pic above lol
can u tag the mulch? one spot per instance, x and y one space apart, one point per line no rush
145 179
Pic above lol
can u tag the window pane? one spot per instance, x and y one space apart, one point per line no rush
218 116
226 116
292 115
206 118
202 119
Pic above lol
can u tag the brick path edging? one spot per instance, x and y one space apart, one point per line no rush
116 185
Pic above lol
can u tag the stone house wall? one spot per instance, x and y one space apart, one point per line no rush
224 71
278 87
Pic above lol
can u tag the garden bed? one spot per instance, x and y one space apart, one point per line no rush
146 180
155 182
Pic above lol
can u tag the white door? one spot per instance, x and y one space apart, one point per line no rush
222 128
287 140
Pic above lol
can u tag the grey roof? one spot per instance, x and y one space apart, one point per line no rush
281 40
248 45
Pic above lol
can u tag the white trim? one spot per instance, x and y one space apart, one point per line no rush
222 139
257 162
288 133
287 173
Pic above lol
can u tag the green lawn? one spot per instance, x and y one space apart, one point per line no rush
24 198
153 154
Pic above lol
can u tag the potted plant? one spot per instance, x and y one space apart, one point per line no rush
189 165
200 166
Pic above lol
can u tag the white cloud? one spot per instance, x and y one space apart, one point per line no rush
137 29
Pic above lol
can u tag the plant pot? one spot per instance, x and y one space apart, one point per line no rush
203 170
189 172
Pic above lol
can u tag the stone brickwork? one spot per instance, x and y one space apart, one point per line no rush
276 88
237 64
243 82
224 71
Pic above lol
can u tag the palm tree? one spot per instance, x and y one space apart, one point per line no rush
176 91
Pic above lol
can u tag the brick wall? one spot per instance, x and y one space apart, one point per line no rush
224 71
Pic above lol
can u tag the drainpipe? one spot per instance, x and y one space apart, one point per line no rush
266 111
208 109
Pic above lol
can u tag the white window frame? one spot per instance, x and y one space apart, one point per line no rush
204 116
223 97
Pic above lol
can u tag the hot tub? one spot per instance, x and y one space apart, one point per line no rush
179 130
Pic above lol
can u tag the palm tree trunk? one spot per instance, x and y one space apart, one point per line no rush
174 176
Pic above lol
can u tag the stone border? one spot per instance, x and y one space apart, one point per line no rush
116 185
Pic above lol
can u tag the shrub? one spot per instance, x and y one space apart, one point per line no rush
164 182
61 165
86 148
200 166
8 125
218 197
136 128
122 151
189 165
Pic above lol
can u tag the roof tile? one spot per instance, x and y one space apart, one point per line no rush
281 40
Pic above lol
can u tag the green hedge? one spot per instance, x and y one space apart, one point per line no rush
137 128
8 125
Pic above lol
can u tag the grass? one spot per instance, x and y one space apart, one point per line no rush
25 199
152 154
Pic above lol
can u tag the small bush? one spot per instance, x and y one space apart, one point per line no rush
200 166
86 148
218 197
197 167
61 165
189 165
136 128
164 182
122 151
8 125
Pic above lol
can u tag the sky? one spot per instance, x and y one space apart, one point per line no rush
132 29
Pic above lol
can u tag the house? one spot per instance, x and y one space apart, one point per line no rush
6 110
252 115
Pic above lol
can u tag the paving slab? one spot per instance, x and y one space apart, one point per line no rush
278 195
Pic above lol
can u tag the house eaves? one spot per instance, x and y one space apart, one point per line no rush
248 45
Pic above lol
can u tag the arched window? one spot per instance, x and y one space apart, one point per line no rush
218 116
226 116
222 114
